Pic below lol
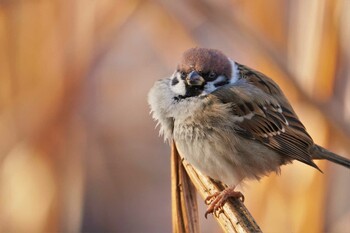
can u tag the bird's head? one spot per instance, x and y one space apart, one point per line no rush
200 72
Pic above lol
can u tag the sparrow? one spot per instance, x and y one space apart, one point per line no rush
231 122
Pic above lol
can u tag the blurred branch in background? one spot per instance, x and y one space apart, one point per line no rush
78 151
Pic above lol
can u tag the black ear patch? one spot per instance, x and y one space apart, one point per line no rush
174 81
221 83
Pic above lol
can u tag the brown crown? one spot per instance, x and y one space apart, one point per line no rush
205 60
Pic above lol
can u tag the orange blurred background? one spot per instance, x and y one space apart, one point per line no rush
78 149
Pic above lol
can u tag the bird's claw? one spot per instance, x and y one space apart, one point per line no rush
210 198
217 200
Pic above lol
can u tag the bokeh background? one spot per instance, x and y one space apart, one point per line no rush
78 149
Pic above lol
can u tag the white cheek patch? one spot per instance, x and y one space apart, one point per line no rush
235 72
210 86
180 87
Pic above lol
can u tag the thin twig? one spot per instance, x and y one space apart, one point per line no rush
184 202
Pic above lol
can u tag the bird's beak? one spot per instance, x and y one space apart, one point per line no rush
194 79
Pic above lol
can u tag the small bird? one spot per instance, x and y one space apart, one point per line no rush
231 122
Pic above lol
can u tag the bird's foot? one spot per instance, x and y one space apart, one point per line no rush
217 200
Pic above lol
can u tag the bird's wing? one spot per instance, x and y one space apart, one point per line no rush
259 116
259 80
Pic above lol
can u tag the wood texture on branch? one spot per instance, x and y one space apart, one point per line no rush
235 217
184 200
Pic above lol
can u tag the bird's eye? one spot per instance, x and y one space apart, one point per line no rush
211 76
183 75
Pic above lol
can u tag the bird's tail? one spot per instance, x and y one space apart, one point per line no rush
322 153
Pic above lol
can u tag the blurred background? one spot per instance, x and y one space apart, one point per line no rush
78 149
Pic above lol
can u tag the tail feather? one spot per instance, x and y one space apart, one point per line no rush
322 153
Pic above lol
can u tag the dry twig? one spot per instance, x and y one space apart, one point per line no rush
184 203
235 216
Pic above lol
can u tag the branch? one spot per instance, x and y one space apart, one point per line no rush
184 202
235 216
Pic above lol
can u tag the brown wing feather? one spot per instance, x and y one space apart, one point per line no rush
276 134
259 80
264 120
267 85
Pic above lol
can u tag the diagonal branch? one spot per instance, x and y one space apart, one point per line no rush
235 216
